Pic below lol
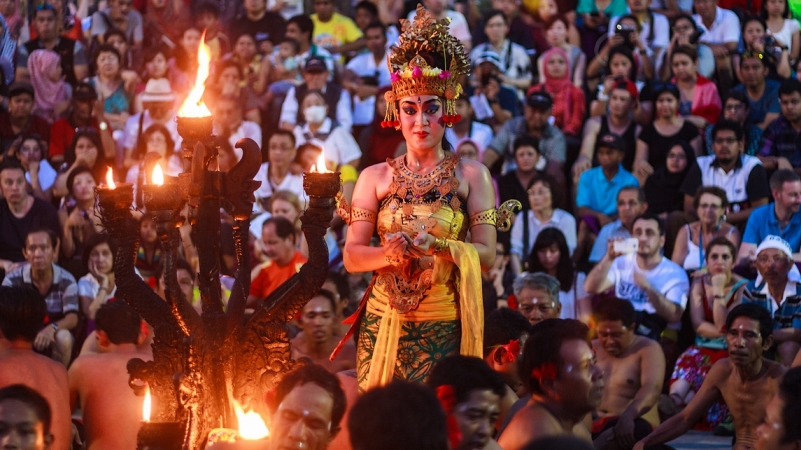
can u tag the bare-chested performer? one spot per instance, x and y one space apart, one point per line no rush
22 313
745 380
558 368
318 339
634 369
99 383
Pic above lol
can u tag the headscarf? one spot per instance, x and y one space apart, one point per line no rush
47 93
7 48
662 189
558 86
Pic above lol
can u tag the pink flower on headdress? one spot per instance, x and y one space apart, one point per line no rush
444 74
395 76
417 72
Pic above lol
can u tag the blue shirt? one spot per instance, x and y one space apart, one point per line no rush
786 312
609 231
598 193
763 223
768 103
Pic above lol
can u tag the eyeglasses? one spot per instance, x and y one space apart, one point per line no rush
729 141
709 206
734 107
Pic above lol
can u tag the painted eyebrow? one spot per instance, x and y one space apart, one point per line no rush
424 103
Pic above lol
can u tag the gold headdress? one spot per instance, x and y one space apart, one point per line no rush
412 75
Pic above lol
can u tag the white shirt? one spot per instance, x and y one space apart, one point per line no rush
661 37
568 299
515 60
725 28
733 182
785 35
131 129
291 8
458 26
364 65
88 286
560 219
668 278
47 175
292 183
339 147
684 5
479 132
289 110
247 129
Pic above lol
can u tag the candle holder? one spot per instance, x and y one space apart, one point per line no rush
195 128
114 204
164 201
160 436
321 185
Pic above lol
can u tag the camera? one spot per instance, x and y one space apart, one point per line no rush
625 32
488 75
695 36
769 41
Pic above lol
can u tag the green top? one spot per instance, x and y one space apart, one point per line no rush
615 7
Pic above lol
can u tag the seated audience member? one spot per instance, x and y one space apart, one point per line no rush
779 149
184 55
762 93
683 31
254 67
556 33
22 312
230 79
86 150
711 207
74 65
20 213
534 122
79 115
319 336
515 63
780 218
31 152
736 107
366 73
496 283
662 187
157 139
157 101
495 103
769 47
155 61
459 27
230 124
746 381
335 32
655 29
721 33
51 93
274 174
467 149
634 368
99 383
378 143
469 127
58 288
598 187
278 236
419 420
317 127
26 418
742 177
266 26
700 100
568 100
148 255
78 219
505 332
558 369
712 297
781 428
781 24
544 199
617 119
111 86
526 158
631 204
98 285
315 78
669 127
656 286
19 118
470 393
537 297
300 29
121 15
777 288
616 63
550 254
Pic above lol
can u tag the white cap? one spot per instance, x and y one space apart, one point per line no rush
773 241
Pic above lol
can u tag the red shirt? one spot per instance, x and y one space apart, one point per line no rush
61 134
271 275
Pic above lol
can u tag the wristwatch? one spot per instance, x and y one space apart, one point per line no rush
54 325
103 126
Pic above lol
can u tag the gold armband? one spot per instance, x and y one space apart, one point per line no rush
489 216
353 213
500 218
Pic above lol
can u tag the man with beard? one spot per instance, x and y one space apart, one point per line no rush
781 429
558 368
780 218
279 238
318 339
741 176
470 393
634 369
745 380
778 291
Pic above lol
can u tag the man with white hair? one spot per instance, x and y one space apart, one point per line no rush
777 288
537 297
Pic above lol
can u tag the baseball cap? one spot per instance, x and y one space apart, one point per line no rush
20 87
84 92
539 99
488 56
626 84
612 140
775 242
315 64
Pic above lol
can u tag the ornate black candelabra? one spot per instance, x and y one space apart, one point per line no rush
201 362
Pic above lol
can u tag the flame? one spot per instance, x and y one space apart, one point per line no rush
110 179
146 405
320 167
194 106
251 427
158 175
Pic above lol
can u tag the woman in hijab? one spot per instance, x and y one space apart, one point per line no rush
568 100
662 187
7 48
52 93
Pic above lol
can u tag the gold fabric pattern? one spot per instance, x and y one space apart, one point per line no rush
489 216
363 214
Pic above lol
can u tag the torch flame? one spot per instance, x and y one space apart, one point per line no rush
110 179
251 427
320 167
146 405
158 175
194 106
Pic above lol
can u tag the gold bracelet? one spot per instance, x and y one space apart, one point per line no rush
440 245
394 262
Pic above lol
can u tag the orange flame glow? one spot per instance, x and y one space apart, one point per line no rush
194 106
146 405
320 167
158 175
251 427
110 179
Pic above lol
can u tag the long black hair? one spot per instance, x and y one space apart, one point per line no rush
565 269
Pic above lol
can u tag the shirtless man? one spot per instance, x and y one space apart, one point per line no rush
781 429
745 380
25 419
99 383
634 368
558 368
22 313
318 339
505 332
